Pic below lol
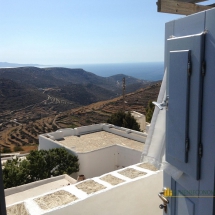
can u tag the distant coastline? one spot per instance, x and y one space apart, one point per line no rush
151 71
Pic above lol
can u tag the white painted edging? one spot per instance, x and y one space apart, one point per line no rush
99 196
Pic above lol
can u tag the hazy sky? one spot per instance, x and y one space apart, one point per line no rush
81 31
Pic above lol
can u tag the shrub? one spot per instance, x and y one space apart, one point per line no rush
39 165
6 150
17 149
149 111
125 120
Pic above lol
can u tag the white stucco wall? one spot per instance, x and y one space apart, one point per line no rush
67 132
105 160
97 162
30 190
47 143
136 197
88 129
125 132
127 157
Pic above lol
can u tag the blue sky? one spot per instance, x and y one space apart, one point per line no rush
81 31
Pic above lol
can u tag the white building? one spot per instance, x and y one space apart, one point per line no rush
134 189
130 190
101 148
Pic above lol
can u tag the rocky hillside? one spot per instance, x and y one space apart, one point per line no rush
58 77
14 96
26 134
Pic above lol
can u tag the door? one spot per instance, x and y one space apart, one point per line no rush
185 66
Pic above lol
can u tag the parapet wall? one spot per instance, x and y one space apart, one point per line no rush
18 189
124 132
122 193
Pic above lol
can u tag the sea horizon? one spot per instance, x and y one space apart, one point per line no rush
152 71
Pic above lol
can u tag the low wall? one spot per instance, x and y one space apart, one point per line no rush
68 132
24 187
124 132
136 197
88 129
132 196
47 143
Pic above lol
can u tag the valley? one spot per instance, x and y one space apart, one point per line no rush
32 108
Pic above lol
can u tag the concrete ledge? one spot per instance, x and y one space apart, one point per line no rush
88 129
133 196
67 132
24 187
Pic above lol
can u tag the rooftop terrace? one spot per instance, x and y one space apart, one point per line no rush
98 140
20 193
118 192
101 148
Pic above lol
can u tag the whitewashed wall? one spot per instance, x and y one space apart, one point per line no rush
105 160
97 162
124 132
47 143
127 156
136 197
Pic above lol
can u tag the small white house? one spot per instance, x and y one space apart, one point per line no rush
101 148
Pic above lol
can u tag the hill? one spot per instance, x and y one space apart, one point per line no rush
13 96
26 134
83 94
57 77
30 93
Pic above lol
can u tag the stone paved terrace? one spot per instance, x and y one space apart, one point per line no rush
98 140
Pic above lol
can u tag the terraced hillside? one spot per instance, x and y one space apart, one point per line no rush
26 135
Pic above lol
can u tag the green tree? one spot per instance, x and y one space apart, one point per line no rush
15 173
39 165
123 119
149 111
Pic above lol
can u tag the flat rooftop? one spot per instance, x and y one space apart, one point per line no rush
20 193
98 140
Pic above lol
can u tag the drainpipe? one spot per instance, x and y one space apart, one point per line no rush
2 197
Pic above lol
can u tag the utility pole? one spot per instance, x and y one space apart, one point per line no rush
123 93
2 197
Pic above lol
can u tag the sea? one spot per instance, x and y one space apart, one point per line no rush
152 71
